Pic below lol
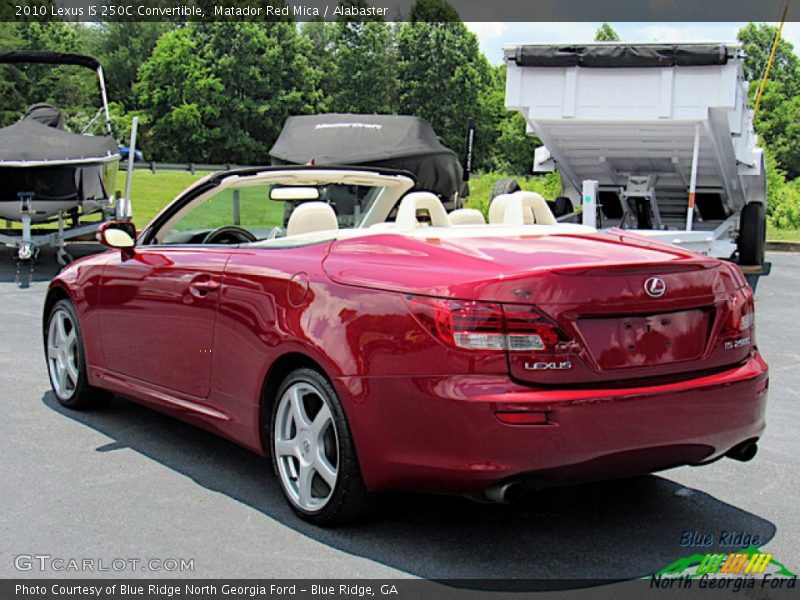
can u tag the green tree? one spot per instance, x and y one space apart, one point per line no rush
9 38
10 102
441 75
319 36
757 41
778 119
220 92
606 33
6 15
180 96
433 11
122 47
783 207
363 65
778 125
510 148
73 89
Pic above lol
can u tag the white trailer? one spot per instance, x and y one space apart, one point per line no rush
658 137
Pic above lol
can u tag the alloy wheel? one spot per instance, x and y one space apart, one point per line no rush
306 446
62 354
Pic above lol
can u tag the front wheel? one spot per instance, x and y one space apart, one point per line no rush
313 453
66 361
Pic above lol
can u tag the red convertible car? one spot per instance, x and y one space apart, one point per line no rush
411 350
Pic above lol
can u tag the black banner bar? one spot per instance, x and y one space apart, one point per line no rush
398 10
399 589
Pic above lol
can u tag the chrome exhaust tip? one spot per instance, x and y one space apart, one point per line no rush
504 493
743 452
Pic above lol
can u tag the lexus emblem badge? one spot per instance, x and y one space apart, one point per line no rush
655 287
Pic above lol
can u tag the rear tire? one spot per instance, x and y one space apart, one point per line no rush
506 185
66 360
752 234
313 454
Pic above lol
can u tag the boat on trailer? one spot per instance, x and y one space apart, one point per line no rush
49 175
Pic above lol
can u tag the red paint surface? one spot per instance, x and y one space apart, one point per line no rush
194 331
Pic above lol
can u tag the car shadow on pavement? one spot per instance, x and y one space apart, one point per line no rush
610 531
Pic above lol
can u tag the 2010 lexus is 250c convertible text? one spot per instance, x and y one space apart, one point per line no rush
373 343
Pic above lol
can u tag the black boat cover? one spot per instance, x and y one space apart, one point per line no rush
394 142
30 140
619 55
46 114
48 58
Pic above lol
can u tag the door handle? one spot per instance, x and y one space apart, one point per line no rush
201 288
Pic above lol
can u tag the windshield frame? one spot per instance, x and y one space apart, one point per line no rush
397 182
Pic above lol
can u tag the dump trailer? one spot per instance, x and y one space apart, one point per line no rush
653 137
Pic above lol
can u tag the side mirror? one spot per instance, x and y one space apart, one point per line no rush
118 234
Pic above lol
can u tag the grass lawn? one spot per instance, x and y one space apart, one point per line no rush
783 235
256 210
150 192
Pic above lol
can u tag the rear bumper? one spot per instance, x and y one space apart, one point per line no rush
443 434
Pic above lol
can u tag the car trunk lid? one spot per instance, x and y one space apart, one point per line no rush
592 287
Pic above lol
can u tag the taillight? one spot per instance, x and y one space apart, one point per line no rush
747 318
528 329
463 324
485 326
741 313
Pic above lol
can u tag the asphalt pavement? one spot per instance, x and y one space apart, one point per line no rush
128 483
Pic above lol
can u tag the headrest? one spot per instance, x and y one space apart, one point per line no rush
497 210
310 217
520 208
466 216
411 203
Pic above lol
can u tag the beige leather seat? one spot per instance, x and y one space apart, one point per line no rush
411 203
520 208
466 216
310 217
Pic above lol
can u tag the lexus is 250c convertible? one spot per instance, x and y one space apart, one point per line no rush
375 343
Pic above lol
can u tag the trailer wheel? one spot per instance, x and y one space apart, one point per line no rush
506 185
752 234
562 206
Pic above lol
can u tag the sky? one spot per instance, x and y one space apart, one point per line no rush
493 36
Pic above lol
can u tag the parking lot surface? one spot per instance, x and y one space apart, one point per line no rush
126 482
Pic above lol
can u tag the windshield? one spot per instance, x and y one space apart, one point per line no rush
349 202
250 207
